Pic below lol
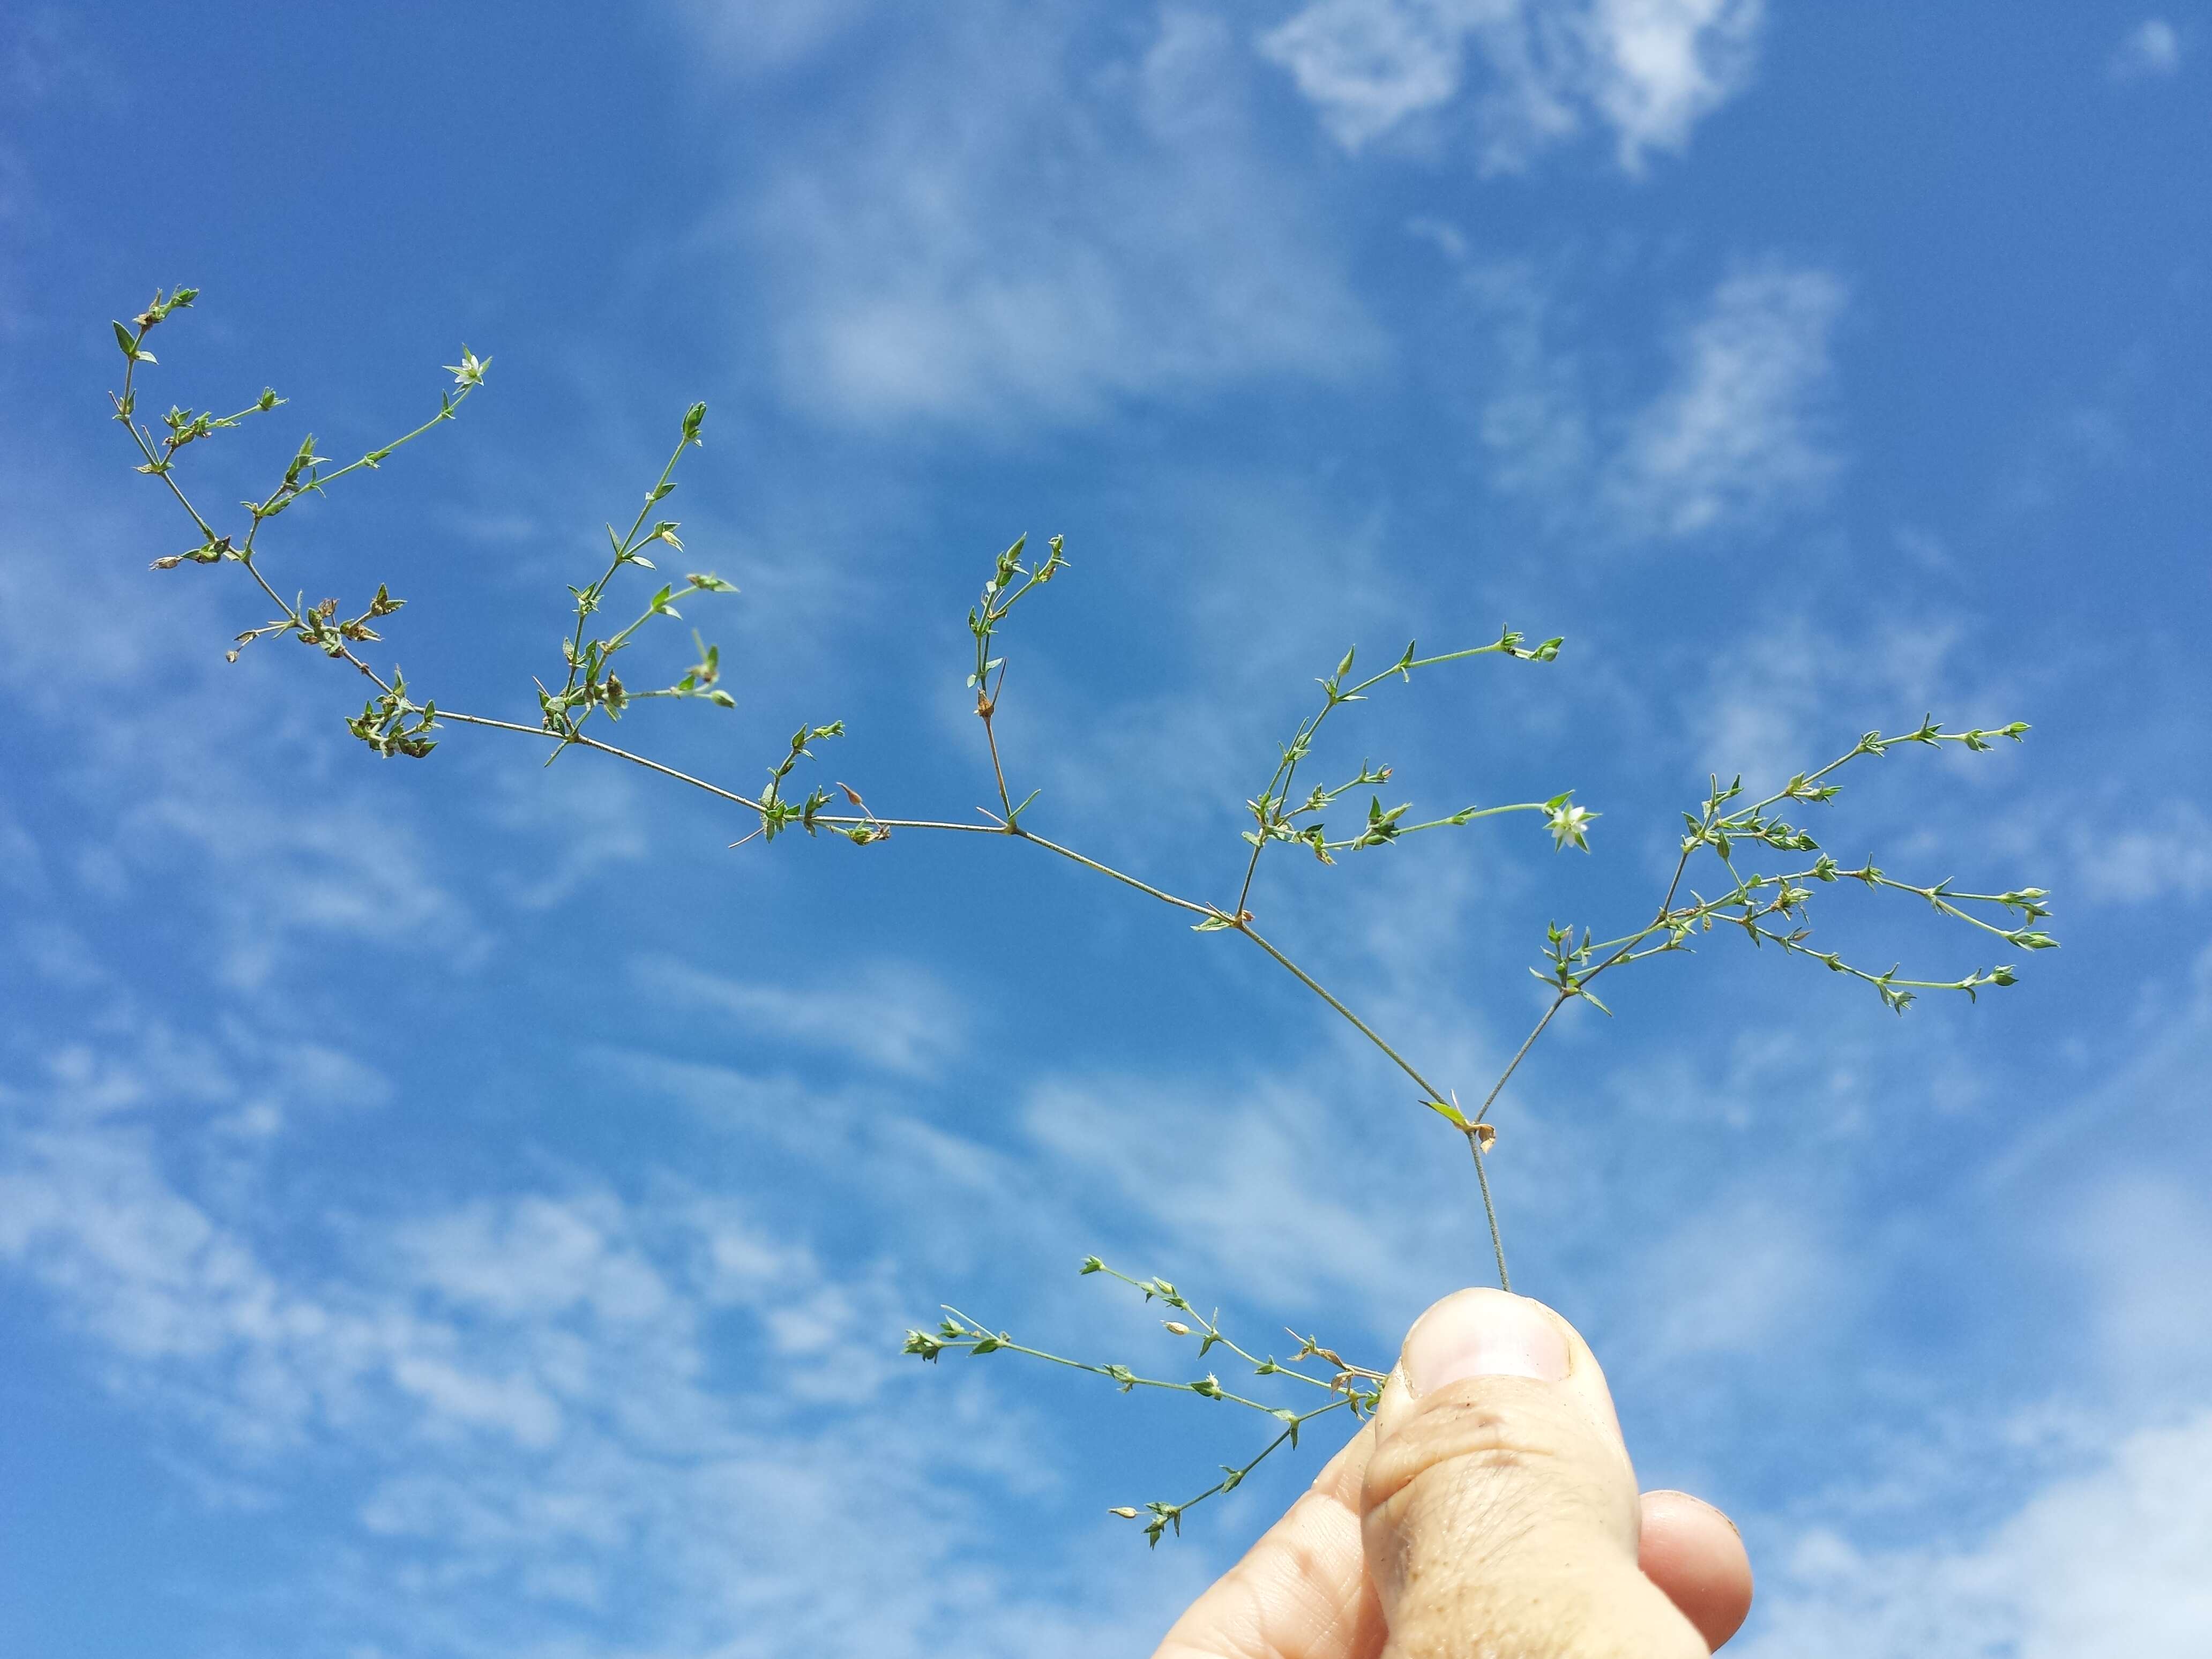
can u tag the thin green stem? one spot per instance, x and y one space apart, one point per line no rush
1400 832
1171 1297
587 602
1938 898
836 821
1519 1055
376 457
1127 880
986 705
159 465
1490 1211
1284 768
1428 1089
1234 1478
1120 1374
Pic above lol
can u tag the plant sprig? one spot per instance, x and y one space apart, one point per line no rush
1010 581
1349 1386
1754 900
1274 819
1767 908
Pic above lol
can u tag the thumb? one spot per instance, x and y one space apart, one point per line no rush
1499 1514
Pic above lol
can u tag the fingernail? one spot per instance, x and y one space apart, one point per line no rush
1483 1334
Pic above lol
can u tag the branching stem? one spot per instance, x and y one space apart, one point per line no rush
1751 903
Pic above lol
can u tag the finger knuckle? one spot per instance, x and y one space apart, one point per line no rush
1486 1426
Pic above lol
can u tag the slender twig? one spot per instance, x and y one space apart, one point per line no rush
1352 1387
1489 1211
1360 1025
1519 1054
986 705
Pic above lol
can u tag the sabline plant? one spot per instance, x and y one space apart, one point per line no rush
1723 832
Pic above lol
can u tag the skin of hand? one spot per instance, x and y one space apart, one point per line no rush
1489 1511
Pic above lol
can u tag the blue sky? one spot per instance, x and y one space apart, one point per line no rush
461 1207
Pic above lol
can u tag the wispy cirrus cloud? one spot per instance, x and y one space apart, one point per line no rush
1019 222
1533 73
892 1018
2147 850
1739 432
2149 50
2108 1561
524 1408
308 850
2091 1505
1769 708
762 36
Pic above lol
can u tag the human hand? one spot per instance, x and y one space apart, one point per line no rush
1488 1511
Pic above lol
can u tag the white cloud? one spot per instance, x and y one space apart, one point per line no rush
1647 71
525 1410
345 868
896 1020
1370 63
2098 1566
2140 1237
294 836
752 36
1703 1291
1217 1174
1739 433
295 842
2152 49
1667 64
2134 1232
2142 851
1006 226
586 819
2099 1551
1536 422
43 58
1765 705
